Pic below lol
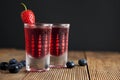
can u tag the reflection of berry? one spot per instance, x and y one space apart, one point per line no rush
4 65
46 66
13 68
13 61
82 62
70 64
27 16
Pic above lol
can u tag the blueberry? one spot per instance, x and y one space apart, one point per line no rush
70 64
13 61
4 65
23 62
13 68
82 62
20 65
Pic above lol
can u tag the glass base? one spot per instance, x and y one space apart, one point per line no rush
37 64
58 61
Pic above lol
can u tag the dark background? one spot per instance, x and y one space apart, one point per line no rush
95 24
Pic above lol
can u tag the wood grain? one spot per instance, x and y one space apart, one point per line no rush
6 55
77 73
101 66
104 65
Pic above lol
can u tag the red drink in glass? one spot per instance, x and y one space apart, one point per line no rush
37 41
59 45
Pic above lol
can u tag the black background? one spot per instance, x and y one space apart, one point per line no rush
94 23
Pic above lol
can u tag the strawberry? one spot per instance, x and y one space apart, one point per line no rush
27 15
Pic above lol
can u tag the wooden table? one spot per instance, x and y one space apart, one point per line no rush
101 66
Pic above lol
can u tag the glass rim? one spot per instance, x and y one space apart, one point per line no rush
61 25
38 24
66 25
41 24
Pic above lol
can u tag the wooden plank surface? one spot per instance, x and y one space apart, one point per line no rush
6 55
103 65
76 73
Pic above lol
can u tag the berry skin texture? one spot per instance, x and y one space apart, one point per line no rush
13 68
4 65
27 15
70 64
13 61
23 62
20 65
82 62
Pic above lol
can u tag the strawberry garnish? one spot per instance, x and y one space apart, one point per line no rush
27 15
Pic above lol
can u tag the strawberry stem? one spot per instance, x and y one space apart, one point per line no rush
24 6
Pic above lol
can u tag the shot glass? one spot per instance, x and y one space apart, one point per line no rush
59 45
37 45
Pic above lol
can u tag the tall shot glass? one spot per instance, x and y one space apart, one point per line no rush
59 45
37 44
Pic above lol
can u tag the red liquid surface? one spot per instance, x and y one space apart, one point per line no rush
37 41
59 41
